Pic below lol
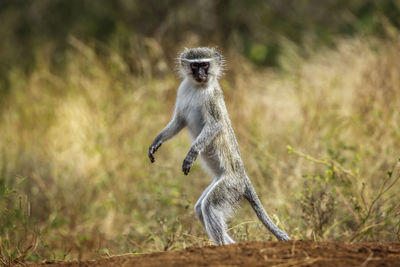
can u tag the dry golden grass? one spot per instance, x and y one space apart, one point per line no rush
74 147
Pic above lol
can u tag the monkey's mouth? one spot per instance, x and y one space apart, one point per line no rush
200 78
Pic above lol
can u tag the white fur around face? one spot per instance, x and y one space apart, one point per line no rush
201 60
215 59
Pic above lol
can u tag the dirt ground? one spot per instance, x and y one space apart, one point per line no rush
293 253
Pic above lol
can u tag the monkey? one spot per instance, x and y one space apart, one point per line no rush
201 108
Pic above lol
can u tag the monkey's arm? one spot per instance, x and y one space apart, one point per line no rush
209 132
172 128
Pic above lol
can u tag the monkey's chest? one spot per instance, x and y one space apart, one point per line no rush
192 109
195 121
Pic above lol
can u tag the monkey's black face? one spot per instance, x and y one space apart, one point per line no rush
200 71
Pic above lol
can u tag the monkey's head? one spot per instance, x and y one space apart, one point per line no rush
200 64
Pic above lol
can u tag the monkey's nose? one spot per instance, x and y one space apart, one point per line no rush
202 77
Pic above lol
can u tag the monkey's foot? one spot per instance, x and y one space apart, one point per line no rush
283 237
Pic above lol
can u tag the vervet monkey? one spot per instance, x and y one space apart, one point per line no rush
201 108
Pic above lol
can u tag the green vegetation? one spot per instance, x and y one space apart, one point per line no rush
84 91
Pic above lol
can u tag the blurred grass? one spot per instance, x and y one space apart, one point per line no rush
75 180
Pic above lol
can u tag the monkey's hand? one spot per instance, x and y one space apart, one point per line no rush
153 148
188 161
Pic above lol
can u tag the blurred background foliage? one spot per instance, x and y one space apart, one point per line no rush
255 28
312 88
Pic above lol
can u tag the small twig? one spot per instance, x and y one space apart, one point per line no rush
329 163
347 205
383 190
370 256
293 248
195 237
363 230
237 225
134 243
2 261
302 262
326 232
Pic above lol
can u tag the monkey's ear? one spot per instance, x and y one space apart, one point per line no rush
218 56
183 62
182 56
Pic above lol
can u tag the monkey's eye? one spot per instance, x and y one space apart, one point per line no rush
205 65
194 65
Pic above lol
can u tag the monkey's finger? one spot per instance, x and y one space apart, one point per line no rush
157 146
186 169
151 157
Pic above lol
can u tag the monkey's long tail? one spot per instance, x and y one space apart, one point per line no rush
255 203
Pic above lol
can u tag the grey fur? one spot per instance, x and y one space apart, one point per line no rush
201 108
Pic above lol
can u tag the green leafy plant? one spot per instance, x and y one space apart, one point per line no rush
334 202
18 241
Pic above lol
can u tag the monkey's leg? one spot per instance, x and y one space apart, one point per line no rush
216 207
197 207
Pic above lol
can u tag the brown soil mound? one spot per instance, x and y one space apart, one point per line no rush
293 253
